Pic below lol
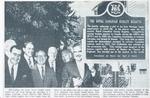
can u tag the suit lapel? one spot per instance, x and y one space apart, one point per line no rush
7 73
76 70
46 75
7 70
18 74
87 74
24 63
38 73
44 81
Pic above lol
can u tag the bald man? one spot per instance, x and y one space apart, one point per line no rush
42 75
54 64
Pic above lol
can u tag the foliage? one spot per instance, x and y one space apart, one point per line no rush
47 18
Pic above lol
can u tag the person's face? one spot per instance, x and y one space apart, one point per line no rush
77 53
29 49
66 57
15 56
52 53
41 57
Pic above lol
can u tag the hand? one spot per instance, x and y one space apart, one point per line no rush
77 82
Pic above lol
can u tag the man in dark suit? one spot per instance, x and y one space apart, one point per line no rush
27 58
54 64
27 61
42 75
15 75
78 74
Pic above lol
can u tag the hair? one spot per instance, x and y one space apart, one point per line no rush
76 44
40 51
52 47
66 51
27 42
15 46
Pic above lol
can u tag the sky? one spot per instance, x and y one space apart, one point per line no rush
84 8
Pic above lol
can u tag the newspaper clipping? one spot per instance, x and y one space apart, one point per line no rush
76 49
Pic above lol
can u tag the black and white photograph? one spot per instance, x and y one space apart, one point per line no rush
74 49
39 41
59 44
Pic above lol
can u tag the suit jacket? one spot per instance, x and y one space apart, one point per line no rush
71 71
26 68
49 78
21 78
59 67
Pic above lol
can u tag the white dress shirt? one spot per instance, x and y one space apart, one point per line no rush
52 64
31 62
80 66
10 65
40 69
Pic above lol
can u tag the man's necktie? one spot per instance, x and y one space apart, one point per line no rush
12 72
53 66
30 63
43 72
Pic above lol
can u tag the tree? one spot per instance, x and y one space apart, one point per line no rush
40 21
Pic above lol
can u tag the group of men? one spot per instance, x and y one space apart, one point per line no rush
25 67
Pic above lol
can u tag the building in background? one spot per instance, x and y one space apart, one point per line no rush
101 7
